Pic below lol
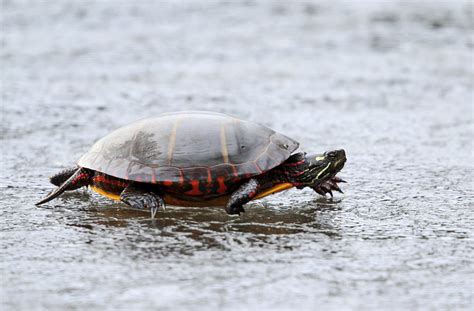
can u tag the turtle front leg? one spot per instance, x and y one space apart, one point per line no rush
329 186
139 198
242 195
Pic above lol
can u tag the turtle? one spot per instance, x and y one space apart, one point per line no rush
197 158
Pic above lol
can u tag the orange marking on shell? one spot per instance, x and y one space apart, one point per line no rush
108 180
167 183
222 187
195 188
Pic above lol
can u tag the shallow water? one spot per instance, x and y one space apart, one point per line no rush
390 83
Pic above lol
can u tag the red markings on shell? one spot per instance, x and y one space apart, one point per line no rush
222 187
195 189
167 183
109 180
158 148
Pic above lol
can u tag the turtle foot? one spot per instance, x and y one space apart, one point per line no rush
329 186
142 199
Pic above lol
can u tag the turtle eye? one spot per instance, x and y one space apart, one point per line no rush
331 154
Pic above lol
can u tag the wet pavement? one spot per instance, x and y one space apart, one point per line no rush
390 83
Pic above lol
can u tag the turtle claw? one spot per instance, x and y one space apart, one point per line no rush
330 193
319 191
335 187
336 179
153 211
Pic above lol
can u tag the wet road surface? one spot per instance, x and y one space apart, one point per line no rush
391 84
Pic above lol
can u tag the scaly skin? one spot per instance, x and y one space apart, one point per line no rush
242 195
317 172
299 170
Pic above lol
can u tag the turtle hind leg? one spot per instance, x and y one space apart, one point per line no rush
139 198
80 178
59 178
242 195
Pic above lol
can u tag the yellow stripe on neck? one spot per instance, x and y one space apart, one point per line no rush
323 170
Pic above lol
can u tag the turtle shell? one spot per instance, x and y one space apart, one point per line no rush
188 146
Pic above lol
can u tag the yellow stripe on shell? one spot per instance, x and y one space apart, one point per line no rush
109 195
172 140
224 151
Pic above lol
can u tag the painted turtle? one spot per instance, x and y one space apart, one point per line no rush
197 159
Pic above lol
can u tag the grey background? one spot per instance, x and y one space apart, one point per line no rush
389 81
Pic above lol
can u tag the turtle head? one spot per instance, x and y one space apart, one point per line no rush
321 167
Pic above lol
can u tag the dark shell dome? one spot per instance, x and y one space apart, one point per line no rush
188 145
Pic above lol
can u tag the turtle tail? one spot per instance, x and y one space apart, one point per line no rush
79 178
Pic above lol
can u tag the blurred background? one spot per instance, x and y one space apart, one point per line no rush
391 82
